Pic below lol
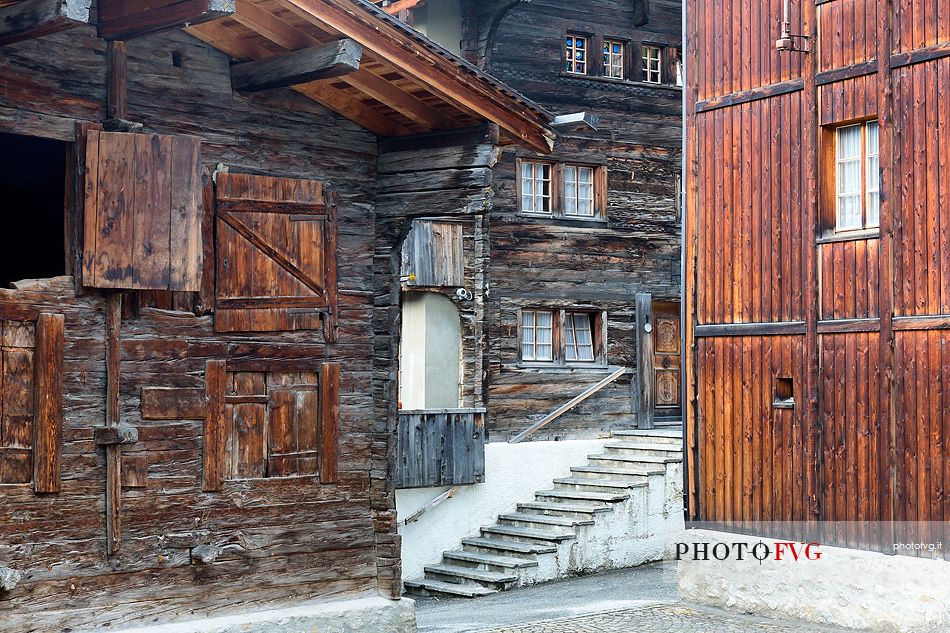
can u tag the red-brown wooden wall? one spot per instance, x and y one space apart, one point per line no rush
860 324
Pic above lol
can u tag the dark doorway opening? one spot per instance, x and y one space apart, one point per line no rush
32 208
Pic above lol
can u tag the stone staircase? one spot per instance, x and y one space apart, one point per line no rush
616 511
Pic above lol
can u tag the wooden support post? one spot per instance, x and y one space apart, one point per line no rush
298 67
117 89
644 376
113 452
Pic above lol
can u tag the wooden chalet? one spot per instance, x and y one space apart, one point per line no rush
817 163
205 205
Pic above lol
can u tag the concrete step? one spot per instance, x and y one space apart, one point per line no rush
593 484
428 587
554 508
657 436
612 460
527 534
581 495
519 548
491 562
539 520
469 576
646 450
623 474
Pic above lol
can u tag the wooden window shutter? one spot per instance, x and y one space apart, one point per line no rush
432 255
31 401
276 255
142 212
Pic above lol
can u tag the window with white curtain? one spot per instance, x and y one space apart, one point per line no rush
578 335
537 335
613 58
857 177
578 191
535 187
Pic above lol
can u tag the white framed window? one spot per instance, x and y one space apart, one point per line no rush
537 335
535 187
578 191
613 58
578 337
857 177
575 54
651 56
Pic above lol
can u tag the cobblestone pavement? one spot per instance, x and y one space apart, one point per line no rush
665 618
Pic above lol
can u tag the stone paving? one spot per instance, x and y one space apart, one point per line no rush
666 618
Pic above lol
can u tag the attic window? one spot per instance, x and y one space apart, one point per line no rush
33 190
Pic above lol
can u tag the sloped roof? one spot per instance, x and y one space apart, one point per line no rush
406 84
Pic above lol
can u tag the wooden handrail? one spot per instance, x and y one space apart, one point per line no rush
445 496
570 404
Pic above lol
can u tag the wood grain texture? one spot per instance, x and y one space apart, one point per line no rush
329 422
48 404
440 448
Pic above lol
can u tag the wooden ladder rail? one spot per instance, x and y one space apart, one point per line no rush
570 404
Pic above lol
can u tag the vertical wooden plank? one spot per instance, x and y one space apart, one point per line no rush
48 404
215 427
329 421
643 304
113 453
117 103
151 249
116 204
185 262
332 225
90 206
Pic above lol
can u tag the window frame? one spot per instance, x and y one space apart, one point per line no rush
552 187
597 320
608 56
558 198
570 52
831 228
645 71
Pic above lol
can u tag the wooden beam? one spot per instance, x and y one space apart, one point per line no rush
35 18
298 67
644 378
126 19
113 452
403 5
399 100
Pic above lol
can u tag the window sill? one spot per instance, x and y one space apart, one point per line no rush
621 82
783 404
562 368
562 220
848 236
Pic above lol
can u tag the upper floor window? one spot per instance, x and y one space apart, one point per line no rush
576 54
562 337
562 190
537 335
535 187
578 191
651 56
857 178
613 59
578 335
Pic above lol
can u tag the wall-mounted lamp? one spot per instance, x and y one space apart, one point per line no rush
786 40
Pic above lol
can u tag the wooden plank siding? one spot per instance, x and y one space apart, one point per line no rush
865 444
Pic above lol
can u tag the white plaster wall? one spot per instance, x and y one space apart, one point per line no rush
513 472
850 588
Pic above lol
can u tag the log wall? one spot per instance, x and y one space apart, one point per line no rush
862 318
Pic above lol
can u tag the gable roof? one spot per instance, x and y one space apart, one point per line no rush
406 83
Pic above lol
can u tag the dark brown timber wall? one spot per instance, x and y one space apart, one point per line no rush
277 538
817 379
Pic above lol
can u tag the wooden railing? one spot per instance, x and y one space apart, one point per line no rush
616 373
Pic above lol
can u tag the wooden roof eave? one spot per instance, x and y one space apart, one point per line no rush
389 40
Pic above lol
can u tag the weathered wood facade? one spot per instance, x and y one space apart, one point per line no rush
817 374
594 265
199 411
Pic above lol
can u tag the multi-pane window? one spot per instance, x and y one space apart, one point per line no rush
578 337
575 53
857 187
537 335
613 59
651 64
578 191
535 187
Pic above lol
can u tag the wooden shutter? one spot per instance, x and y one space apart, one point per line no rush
142 212
276 255
432 255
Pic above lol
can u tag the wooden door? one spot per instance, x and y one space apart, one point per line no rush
666 360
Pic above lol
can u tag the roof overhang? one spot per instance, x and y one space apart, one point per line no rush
404 85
